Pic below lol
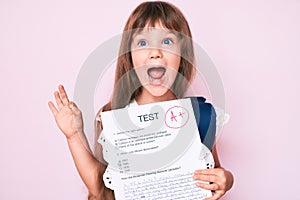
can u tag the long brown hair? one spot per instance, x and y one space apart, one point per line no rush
127 85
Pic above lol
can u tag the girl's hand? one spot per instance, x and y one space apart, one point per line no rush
219 181
67 116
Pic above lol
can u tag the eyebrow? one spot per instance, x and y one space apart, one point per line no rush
144 33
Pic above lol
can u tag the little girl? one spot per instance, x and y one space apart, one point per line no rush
155 64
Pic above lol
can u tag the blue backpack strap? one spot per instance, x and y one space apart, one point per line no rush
206 120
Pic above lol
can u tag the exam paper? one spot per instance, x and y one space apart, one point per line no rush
153 150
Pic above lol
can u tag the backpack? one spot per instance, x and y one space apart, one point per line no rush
206 120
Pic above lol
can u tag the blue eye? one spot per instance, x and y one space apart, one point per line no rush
142 43
168 41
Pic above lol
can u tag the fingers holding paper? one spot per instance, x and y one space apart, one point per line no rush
67 116
218 180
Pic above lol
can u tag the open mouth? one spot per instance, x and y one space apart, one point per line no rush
156 74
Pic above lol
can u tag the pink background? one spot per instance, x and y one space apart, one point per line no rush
254 45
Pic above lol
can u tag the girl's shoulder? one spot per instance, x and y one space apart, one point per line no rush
106 107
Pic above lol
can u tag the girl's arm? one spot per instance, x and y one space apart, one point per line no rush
69 119
87 166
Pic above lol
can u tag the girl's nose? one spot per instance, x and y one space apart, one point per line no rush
155 53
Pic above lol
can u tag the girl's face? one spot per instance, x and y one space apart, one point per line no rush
156 58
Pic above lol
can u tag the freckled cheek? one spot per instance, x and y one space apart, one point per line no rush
138 58
174 62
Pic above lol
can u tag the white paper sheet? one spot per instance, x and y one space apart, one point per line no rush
153 151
